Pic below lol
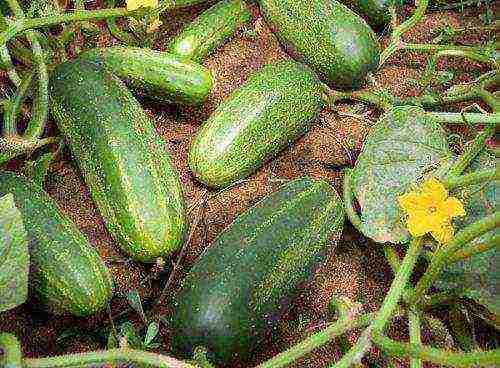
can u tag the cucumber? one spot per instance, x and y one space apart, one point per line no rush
67 273
335 42
245 280
210 30
155 74
375 12
276 105
122 159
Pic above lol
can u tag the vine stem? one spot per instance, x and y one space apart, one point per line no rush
476 177
386 310
476 249
470 152
40 106
11 355
444 255
466 118
415 336
348 201
348 320
399 31
438 356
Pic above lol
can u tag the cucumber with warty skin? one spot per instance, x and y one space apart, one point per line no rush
210 30
245 281
334 41
155 74
275 106
123 160
376 12
67 273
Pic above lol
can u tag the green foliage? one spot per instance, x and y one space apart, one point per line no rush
14 256
477 277
404 145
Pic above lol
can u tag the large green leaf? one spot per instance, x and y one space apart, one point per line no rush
405 144
14 256
477 277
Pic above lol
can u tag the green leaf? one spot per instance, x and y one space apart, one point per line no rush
128 331
404 145
134 300
151 333
477 277
14 256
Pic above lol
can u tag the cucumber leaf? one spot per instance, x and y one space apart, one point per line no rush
477 277
14 256
404 145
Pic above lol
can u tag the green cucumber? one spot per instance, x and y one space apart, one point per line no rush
245 280
68 274
276 105
210 30
155 74
335 42
122 159
375 12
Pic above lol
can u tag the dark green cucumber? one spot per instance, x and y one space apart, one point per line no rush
375 12
335 42
274 107
122 159
68 274
210 30
156 74
246 279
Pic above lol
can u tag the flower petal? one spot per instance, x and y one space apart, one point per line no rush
444 234
417 225
436 189
454 207
411 201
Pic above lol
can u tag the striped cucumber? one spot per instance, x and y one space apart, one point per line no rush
68 274
245 280
155 74
210 30
122 159
274 107
335 42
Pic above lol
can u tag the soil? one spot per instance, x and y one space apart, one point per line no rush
356 269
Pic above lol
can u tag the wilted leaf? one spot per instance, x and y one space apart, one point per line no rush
405 144
14 256
477 277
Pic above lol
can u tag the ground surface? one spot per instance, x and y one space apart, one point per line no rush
355 269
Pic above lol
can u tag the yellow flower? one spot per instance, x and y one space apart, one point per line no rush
430 210
136 4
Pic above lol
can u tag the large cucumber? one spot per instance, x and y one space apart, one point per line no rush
246 278
156 74
328 36
211 29
122 159
274 107
68 273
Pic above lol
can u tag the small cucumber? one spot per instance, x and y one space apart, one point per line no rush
274 107
210 30
245 280
68 274
155 74
335 42
123 160
375 12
